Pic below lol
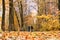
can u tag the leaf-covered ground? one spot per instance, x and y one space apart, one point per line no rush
51 35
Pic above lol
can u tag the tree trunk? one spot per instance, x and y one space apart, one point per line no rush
3 15
11 16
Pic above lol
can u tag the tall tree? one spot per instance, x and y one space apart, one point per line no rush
21 13
59 9
11 16
3 15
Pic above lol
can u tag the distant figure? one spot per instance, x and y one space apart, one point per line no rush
30 28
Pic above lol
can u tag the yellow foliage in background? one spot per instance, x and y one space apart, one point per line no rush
48 23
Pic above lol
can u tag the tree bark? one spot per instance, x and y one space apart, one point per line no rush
3 16
11 16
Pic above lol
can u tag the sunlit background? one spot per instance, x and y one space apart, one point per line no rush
0 8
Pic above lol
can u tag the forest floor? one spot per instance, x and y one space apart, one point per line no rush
51 35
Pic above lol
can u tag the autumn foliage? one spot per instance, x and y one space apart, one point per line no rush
48 22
